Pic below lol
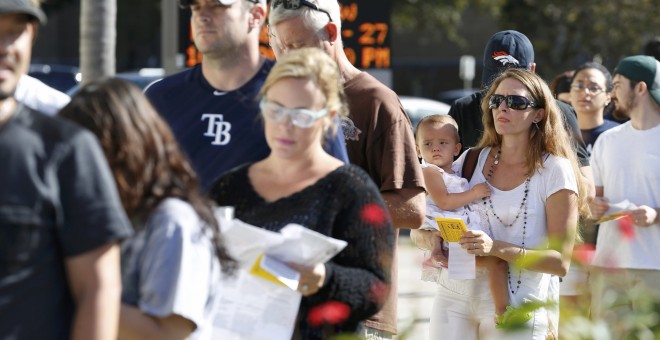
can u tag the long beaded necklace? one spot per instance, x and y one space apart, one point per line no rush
522 210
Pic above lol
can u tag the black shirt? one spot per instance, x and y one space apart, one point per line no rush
58 200
343 205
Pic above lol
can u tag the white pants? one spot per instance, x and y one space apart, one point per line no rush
461 311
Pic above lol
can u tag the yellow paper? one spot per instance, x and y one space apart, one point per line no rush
610 217
258 271
451 228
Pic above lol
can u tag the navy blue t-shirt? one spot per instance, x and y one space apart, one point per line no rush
218 130
590 135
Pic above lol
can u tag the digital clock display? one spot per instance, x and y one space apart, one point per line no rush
364 32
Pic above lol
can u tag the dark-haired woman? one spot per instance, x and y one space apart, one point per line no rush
172 264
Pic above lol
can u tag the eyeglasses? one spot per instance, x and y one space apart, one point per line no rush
301 118
188 3
513 102
296 4
592 88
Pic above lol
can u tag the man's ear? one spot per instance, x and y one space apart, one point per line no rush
332 32
257 17
641 87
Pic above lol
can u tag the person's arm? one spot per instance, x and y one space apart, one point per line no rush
406 206
134 324
435 186
95 283
424 239
588 176
599 205
561 219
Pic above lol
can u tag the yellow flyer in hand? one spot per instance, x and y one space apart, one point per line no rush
451 228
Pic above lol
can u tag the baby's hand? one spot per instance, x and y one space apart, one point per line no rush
481 189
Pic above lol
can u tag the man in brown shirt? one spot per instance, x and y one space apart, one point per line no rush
378 133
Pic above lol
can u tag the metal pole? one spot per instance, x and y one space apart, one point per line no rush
169 35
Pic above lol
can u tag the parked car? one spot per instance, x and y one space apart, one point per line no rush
142 78
418 107
451 95
59 77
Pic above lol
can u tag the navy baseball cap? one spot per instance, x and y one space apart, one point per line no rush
506 49
642 68
28 7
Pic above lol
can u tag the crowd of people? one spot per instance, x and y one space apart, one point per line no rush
108 227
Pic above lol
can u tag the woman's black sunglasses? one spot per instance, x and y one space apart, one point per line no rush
513 102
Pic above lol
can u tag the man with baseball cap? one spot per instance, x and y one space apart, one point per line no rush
503 50
60 214
626 160
212 107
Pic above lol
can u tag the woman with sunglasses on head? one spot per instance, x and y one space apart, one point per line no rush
537 194
300 183
172 264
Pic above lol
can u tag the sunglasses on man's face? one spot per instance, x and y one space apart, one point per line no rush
296 4
513 102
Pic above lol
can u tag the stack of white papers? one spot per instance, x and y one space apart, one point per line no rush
261 301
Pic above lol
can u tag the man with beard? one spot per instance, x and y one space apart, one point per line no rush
212 108
625 161
60 214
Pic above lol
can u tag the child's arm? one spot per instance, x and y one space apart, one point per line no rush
436 187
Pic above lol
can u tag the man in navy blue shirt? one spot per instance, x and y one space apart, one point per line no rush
212 107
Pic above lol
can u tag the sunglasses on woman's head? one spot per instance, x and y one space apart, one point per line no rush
302 118
513 102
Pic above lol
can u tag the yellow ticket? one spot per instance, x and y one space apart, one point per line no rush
451 228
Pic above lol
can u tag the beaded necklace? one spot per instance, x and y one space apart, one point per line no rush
522 210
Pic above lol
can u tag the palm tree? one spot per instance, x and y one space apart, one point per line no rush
98 38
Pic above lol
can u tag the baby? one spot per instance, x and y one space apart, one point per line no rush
448 195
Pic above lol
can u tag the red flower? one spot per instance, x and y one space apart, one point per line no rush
331 312
584 253
627 227
373 214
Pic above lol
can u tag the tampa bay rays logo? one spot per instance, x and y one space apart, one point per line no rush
505 59
217 129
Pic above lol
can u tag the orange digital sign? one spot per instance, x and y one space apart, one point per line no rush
365 34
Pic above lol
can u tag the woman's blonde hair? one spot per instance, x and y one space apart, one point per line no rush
314 64
548 136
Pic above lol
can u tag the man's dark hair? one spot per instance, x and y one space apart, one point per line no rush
652 48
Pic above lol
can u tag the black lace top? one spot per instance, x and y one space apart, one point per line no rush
345 205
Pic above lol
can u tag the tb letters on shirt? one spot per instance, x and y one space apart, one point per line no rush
217 128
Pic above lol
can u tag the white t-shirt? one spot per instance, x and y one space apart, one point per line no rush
169 267
39 96
626 163
556 174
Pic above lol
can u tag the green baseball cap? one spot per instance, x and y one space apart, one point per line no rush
642 68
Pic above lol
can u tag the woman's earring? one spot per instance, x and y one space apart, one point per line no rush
536 126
